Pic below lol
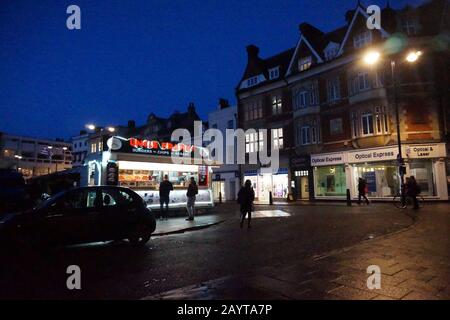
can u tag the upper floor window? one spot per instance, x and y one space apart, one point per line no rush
274 73
333 89
252 81
305 135
93 147
367 123
277 138
363 81
336 126
100 146
362 39
304 63
409 26
254 142
253 110
276 104
306 96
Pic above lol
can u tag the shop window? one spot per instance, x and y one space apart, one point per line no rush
276 105
422 170
330 181
277 139
367 123
381 178
336 126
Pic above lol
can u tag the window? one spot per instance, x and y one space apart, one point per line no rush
93 147
230 124
363 81
306 96
409 26
362 39
354 124
276 104
306 139
274 73
331 53
304 63
277 138
253 110
254 142
333 89
367 123
252 81
336 126
100 146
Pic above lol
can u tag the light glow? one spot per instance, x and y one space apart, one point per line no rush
134 165
372 57
413 56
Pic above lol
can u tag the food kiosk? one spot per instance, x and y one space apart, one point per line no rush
141 165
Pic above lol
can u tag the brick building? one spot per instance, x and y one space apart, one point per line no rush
339 112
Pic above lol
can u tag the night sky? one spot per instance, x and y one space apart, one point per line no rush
134 57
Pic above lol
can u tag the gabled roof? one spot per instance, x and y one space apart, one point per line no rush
358 11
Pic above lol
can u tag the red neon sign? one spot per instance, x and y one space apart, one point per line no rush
153 144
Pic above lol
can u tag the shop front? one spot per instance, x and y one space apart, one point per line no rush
335 173
302 178
264 183
141 165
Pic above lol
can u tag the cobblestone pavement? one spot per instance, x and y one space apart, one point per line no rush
414 263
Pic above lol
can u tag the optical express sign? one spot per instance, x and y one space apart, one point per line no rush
384 154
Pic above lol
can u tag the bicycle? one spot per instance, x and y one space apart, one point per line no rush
408 202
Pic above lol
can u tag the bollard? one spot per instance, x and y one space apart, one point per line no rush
220 197
270 198
349 200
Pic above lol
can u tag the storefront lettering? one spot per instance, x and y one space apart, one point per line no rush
152 144
326 159
374 155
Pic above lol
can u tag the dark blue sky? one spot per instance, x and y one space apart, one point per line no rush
133 57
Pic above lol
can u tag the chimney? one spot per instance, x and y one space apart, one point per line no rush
82 132
131 124
252 52
191 108
223 103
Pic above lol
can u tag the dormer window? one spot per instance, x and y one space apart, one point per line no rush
252 81
304 63
362 39
274 73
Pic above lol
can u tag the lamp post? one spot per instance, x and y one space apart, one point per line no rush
372 58
17 161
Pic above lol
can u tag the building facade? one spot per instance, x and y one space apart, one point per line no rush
79 148
343 110
226 182
33 156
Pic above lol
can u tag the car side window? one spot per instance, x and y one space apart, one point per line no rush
109 199
92 201
72 200
127 198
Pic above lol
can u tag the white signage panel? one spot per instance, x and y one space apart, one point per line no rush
425 151
370 155
327 159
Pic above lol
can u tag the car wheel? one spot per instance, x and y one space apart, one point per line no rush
139 236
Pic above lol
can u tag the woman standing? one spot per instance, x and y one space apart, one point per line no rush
246 196
192 191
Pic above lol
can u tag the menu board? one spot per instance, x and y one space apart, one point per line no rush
177 198
137 178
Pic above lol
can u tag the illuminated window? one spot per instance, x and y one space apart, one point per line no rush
93 147
277 139
276 104
304 63
367 123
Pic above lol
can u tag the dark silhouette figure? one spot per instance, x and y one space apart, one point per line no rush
164 191
413 190
362 190
246 196
191 193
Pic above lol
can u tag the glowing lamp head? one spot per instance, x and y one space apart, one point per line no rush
413 56
90 126
372 57
111 129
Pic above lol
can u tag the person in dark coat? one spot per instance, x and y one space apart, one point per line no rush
246 196
164 196
412 190
192 191
362 190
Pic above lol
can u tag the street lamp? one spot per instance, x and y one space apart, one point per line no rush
111 129
17 161
371 58
90 126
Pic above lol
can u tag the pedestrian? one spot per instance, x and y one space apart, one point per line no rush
362 190
164 196
192 191
246 196
413 190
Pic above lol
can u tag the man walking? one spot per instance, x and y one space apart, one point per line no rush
246 196
362 190
164 191
413 190
191 193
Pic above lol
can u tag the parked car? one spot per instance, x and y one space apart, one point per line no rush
80 215
12 191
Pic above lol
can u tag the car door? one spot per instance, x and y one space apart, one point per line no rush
118 214
66 219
